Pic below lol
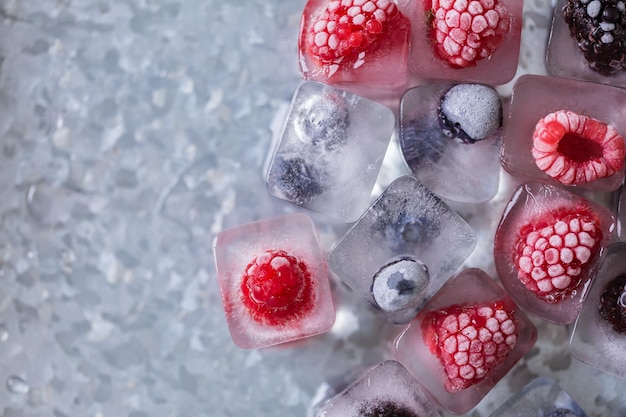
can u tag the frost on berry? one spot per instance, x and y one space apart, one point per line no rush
574 149
470 341
466 31
277 288
553 253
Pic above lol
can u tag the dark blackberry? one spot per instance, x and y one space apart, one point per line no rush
562 412
613 304
297 180
385 408
420 143
323 120
599 27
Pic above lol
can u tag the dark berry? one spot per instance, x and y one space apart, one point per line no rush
323 120
421 143
562 412
385 408
297 180
613 304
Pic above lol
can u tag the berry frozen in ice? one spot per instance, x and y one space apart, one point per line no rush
385 408
398 287
574 149
296 179
323 120
553 252
562 412
613 304
420 143
470 112
470 341
466 31
404 230
344 30
277 288
599 28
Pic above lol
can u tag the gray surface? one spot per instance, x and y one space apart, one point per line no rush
112 118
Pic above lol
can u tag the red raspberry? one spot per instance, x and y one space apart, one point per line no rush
470 341
346 29
276 288
576 149
466 31
554 252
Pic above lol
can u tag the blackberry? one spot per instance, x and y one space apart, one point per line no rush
296 179
323 121
613 304
599 27
385 408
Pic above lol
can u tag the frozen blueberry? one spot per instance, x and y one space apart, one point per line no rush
296 179
613 304
398 286
385 408
323 120
470 112
419 144
562 412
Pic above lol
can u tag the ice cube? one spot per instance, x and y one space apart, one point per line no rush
468 336
406 223
360 47
385 390
580 140
599 337
547 249
450 137
332 147
541 397
274 281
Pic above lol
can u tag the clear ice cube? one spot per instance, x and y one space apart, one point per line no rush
406 221
258 312
330 152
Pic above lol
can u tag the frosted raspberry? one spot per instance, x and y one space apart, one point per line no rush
470 341
466 31
276 288
553 253
345 29
576 149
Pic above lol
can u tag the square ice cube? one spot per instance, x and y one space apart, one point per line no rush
565 59
385 390
468 336
599 337
442 33
331 150
274 281
566 132
547 249
360 47
542 397
450 137
402 250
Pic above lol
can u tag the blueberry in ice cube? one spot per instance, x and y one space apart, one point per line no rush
470 112
562 412
296 179
323 120
385 408
420 143
613 304
404 229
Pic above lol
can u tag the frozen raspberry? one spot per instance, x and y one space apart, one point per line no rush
613 304
599 28
466 31
345 30
554 252
576 149
277 288
470 341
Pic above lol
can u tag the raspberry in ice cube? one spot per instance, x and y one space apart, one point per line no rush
468 41
450 137
468 336
599 337
566 132
385 390
402 249
362 46
330 151
274 281
547 249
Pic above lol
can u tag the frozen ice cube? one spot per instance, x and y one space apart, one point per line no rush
274 281
468 337
408 222
450 137
331 151
599 337
566 132
385 390
547 249
541 397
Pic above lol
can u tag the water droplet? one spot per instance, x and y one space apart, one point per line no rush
17 385
4 333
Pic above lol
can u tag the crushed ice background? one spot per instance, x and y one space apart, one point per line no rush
131 132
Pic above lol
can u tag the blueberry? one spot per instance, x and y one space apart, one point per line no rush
385 408
297 180
403 227
562 412
419 143
323 120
